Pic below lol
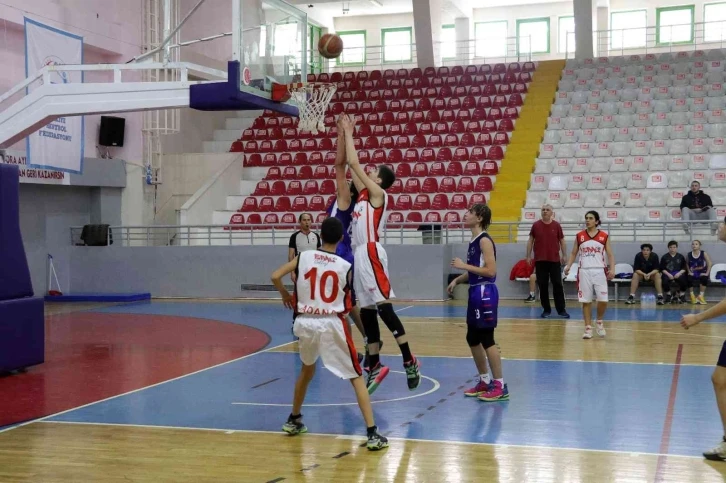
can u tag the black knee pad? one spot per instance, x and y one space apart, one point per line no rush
472 336
370 324
391 320
487 338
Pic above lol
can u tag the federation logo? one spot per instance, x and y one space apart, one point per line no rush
56 76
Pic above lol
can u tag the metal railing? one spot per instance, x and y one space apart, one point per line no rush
480 51
405 234
652 39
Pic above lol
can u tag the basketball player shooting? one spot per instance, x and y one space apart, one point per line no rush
372 283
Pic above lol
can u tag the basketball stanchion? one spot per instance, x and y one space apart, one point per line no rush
51 271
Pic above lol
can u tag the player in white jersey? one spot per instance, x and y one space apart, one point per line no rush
322 298
371 280
592 245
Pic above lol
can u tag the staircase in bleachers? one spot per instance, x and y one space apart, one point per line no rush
627 135
444 131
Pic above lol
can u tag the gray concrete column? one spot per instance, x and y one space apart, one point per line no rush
585 21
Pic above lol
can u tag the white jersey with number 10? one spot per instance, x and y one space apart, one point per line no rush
322 284
367 221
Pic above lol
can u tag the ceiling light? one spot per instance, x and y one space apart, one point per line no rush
377 3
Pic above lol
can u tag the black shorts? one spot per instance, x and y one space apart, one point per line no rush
722 356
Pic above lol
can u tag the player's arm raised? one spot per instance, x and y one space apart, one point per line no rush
276 278
361 179
343 190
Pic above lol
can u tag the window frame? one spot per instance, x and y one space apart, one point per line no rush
521 21
645 27
446 27
383 44
659 10
705 24
365 45
506 30
559 27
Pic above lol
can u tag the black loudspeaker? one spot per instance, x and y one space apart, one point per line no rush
96 236
112 131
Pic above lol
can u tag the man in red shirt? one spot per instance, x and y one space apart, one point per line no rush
550 251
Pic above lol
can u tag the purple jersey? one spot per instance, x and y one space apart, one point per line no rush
483 294
697 265
344 249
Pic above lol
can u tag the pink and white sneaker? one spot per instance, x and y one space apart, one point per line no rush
480 388
588 332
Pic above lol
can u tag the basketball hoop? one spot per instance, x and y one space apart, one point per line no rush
311 99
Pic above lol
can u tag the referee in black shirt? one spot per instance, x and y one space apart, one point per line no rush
302 240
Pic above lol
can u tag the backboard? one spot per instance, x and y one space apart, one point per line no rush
270 40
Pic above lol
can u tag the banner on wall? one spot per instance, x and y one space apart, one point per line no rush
33 175
59 144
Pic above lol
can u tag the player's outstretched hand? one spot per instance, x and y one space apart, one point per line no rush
567 270
450 288
458 263
688 320
347 124
287 301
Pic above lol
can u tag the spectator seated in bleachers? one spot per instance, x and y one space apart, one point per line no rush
674 272
697 205
699 268
646 268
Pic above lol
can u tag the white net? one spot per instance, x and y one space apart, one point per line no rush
312 99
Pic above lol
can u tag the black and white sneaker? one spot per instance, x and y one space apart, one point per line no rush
631 300
294 426
413 373
660 300
530 299
376 441
718 453
682 299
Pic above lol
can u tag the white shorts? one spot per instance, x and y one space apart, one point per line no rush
329 338
589 281
370 275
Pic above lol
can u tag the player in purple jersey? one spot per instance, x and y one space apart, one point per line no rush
342 209
481 314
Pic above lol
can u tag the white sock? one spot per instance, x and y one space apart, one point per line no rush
365 340
500 381
531 294
485 378
599 322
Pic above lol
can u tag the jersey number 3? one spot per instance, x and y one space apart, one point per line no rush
312 275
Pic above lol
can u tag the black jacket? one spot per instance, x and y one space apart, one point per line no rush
699 200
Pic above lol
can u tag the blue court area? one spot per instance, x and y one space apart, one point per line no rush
565 404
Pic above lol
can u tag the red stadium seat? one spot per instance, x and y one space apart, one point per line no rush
262 189
451 140
321 217
325 144
437 169
506 125
413 219
444 154
477 199
475 91
248 135
267 203
371 143
269 159
458 127
467 139
403 203
484 139
433 116
419 141
327 187
510 113
430 185
478 153
472 168
434 141
495 153
300 203
387 142
411 156
316 203
409 105
412 186
432 217
440 202
479 114
402 142
254 219
321 172
396 187
278 188
410 129
236 219
466 185
454 168
364 156
403 170
428 155
422 202
395 106
500 139
285 159
311 187
250 147
395 219
483 184
273 174
283 203
294 188
249 204
347 97
387 118
316 158
490 168
458 202
420 170
378 157
300 158
252 160
272 220
448 116
395 156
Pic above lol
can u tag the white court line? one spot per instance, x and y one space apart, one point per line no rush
432 390
144 388
362 439
405 308
567 360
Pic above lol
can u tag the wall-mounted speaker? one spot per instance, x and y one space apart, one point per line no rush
112 131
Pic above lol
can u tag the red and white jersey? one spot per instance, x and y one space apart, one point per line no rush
592 249
367 221
322 284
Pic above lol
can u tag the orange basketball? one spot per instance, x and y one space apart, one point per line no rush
330 46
